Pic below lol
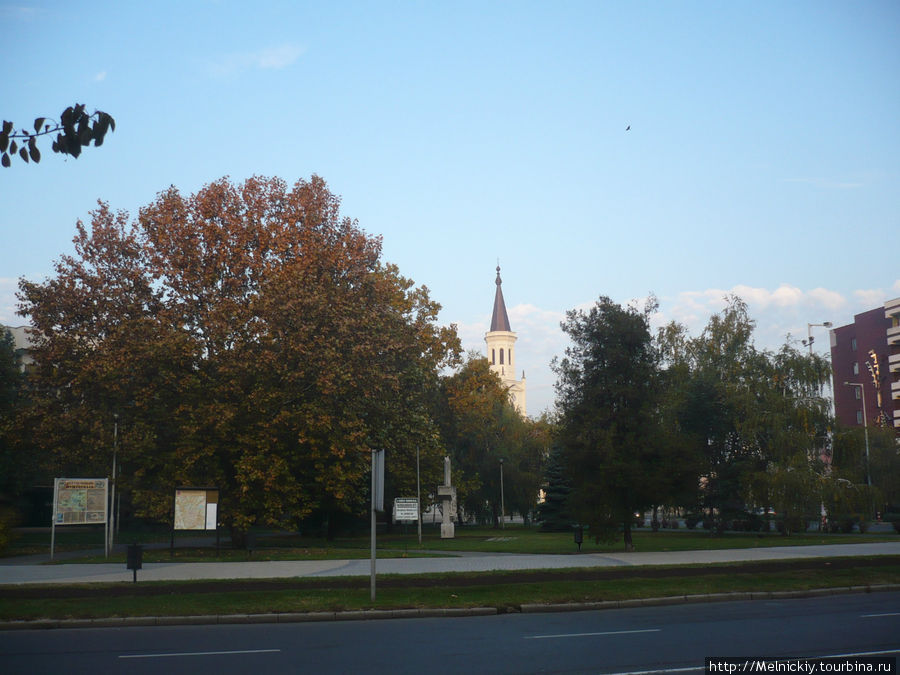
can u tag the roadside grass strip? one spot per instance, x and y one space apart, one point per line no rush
506 591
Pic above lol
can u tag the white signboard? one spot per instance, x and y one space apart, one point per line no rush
80 501
196 508
406 508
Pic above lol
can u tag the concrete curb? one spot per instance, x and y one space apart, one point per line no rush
374 614
712 597
284 617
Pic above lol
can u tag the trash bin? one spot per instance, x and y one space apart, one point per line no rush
579 537
134 558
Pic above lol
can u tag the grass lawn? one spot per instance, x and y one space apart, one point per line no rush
518 539
506 591
512 539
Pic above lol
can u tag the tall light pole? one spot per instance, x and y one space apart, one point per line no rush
502 513
810 339
862 395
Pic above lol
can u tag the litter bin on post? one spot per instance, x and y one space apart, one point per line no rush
579 536
134 558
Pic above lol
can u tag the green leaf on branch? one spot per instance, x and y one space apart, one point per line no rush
75 129
33 151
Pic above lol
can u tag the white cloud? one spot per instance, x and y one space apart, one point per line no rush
269 58
831 300
870 297
786 310
22 12
826 183
277 57
99 77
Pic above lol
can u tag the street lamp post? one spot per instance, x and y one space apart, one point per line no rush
862 395
502 513
810 339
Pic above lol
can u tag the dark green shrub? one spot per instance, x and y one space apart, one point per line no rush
893 519
7 522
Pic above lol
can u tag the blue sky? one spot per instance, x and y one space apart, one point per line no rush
763 156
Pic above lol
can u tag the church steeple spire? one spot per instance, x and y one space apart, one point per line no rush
501 342
500 319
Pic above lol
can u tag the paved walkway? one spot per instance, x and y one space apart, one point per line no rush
85 573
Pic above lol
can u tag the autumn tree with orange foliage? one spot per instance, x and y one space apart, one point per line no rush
247 337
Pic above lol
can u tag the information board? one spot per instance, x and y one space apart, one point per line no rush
196 508
406 508
80 501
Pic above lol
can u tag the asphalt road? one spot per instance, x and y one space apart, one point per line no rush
669 639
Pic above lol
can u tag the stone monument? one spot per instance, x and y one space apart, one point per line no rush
447 495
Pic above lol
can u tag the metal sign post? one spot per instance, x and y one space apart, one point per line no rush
377 504
418 498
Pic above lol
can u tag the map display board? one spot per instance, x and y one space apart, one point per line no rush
80 501
196 508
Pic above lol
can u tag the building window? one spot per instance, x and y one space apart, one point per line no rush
859 419
855 364
493 357
501 356
856 392
853 344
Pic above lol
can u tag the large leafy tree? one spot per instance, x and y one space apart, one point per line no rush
10 397
247 337
615 446
756 418
856 463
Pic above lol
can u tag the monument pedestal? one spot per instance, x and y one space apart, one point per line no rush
447 495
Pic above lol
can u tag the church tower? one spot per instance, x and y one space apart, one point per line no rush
501 342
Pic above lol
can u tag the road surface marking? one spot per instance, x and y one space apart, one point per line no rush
666 671
662 671
611 632
162 656
867 616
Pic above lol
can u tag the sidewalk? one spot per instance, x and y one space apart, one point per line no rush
177 571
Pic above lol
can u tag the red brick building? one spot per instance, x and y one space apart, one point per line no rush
867 352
